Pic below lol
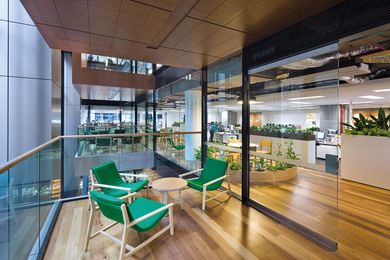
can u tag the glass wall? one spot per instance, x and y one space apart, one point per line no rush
93 61
224 106
107 119
294 138
179 109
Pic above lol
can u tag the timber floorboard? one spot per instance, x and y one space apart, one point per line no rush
227 229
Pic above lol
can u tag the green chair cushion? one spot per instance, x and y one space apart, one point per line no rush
140 207
107 173
109 206
198 185
135 187
179 147
213 169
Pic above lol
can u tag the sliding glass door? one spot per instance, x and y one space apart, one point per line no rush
294 139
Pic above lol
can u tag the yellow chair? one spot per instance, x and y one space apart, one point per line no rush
235 157
267 144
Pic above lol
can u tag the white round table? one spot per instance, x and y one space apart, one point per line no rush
165 185
239 145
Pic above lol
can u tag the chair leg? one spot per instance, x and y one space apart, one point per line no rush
172 231
122 251
90 223
204 199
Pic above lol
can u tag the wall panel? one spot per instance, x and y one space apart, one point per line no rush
3 48
3 9
3 118
29 114
29 55
18 14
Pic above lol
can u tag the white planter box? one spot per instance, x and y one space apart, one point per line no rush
366 159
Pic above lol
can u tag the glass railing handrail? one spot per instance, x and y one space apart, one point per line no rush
8 165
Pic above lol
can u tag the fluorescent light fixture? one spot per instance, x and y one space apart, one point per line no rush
256 102
362 102
221 106
304 98
382 90
300 102
371 97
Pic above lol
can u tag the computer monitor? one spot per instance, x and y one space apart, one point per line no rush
320 135
332 132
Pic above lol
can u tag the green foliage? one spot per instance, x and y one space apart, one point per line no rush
284 129
235 166
290 153
279 152
198 154
373 126
260 164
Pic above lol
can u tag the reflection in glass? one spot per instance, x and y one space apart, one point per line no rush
294 127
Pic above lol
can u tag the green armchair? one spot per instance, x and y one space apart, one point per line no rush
141 215
211 178
107 178
178 147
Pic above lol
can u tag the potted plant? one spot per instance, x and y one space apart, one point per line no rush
366 149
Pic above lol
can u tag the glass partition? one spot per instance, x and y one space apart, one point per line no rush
100 62
179 109
224 116
294 138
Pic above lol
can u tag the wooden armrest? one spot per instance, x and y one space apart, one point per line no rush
189 173
128 195
136 221
111 187
213 181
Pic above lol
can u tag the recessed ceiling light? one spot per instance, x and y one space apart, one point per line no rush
300 102
382 90
371 97
304 98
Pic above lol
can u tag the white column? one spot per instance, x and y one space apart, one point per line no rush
193 121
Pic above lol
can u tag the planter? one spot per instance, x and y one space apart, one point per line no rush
365 159
266 176
294 136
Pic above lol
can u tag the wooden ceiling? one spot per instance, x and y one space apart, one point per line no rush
181 33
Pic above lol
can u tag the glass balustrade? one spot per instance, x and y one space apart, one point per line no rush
100 62
34 186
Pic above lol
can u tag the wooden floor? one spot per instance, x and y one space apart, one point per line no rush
310 199
230 230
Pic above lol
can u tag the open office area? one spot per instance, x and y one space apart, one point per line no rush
195 129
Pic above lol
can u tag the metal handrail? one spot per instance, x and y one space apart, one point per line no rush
8 165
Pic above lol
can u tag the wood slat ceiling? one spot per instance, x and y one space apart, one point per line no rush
181 33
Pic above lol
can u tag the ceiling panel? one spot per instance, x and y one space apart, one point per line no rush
184 33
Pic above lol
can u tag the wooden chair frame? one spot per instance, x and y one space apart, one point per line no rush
204 192
97 186
127 224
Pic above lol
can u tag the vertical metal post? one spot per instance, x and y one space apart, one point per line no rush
245 136
120 117
154 121
135 117
88 119
204 114
62 123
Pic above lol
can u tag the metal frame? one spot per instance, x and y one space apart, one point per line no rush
204 115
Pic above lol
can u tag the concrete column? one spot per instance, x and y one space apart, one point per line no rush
193 121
